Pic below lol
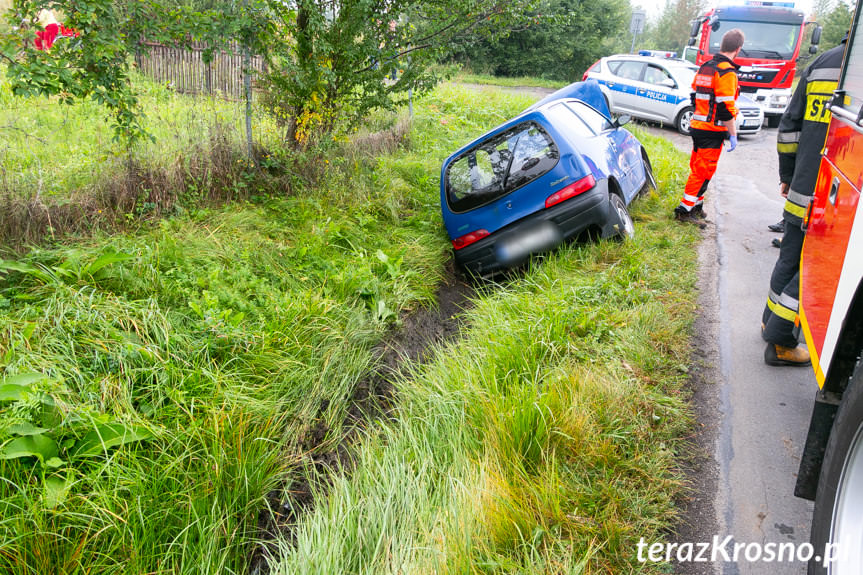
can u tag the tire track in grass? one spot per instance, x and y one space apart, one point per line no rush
373 398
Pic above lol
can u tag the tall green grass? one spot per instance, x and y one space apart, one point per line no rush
543 439
540 441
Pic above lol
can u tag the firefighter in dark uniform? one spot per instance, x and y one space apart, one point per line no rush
802 131
713 121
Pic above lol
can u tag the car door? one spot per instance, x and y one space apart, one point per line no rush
623 80
657 94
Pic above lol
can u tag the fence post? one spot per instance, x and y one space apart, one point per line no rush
247 87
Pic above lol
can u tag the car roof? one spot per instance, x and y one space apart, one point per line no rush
531 114
671 62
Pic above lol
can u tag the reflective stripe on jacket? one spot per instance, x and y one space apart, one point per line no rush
716 90
803 129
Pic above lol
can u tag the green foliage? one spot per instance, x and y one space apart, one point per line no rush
96 63
349 57
560 42
836 22
671 30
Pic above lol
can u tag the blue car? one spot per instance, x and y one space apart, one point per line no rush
559 169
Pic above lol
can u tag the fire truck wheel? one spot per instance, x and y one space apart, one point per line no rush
837 523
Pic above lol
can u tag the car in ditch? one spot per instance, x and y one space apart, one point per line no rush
659 90
559 169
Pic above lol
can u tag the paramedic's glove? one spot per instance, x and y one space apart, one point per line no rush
732 143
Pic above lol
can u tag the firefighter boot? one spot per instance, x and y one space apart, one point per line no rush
781 355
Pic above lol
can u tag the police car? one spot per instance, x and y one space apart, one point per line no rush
658 89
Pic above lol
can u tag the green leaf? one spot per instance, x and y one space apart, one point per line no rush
39 446
108 435
26 428
26 379
11 392
56 489
107 259
55 463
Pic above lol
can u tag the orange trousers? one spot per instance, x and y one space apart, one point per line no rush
706 150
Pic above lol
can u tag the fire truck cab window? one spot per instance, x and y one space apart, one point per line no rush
852 80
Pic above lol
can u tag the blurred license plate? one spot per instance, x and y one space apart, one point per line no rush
540 237
749 123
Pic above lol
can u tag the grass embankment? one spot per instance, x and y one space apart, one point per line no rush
541 440
62 171
487 79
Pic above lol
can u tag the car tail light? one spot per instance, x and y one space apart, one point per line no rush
468 239
579 187
592 66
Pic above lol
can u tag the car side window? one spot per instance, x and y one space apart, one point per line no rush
567 120
656 75
597 122
629 70
500 165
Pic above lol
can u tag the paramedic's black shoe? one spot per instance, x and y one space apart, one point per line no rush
698 212
778 227
776 243
780 355
683 216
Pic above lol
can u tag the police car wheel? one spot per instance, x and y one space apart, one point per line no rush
837 522
684 118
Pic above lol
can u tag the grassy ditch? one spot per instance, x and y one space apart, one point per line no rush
543 439
176 373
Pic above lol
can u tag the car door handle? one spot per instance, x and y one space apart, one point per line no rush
834 191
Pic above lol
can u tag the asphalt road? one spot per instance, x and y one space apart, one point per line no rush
757 431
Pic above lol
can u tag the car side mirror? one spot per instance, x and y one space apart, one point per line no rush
813 49
668 83
622 120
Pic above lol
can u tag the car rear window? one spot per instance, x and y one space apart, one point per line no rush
500 165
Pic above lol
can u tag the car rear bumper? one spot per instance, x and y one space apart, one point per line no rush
537 233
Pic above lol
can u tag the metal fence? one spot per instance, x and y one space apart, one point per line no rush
184 69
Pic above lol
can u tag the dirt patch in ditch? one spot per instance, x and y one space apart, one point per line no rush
373 398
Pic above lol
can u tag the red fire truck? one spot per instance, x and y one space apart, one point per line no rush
774 33
831 315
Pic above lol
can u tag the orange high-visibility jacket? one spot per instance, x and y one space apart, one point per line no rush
716 90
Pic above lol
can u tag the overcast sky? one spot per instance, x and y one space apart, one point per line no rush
654 7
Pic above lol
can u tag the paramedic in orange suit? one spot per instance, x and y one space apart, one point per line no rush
713 122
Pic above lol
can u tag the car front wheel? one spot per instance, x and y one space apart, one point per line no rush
649 178
837 522
684 118
619 221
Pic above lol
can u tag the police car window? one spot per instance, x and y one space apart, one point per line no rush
629 70
656 75
597 122
477 177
